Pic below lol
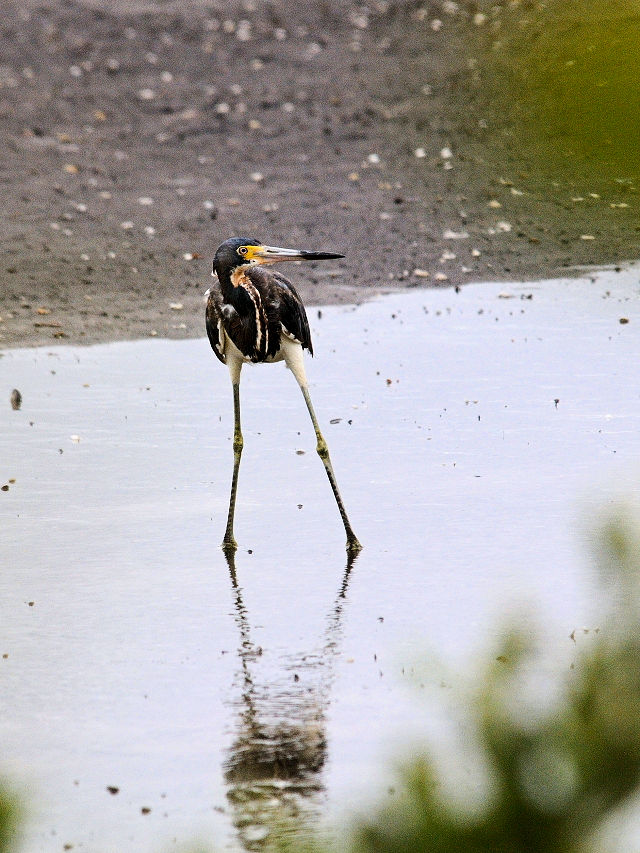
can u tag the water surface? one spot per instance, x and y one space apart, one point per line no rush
472 433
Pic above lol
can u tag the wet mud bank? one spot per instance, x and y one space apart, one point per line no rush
139 134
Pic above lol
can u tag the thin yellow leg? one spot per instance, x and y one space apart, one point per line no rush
229 543
323 452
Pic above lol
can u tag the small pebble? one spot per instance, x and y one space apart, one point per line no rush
243 30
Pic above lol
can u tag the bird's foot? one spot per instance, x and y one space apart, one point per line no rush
353 546
229 544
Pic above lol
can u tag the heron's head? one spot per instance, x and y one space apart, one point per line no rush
240 251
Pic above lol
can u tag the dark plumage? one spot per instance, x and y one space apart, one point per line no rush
255 313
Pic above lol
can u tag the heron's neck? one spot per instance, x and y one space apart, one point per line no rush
229 284
226 286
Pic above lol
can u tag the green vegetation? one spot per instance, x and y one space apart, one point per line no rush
8 822
552 776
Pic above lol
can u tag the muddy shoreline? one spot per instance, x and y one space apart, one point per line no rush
139 135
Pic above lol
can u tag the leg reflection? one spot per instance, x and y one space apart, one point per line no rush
273 767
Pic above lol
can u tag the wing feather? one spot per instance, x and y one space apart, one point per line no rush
213 325
284 308
265 306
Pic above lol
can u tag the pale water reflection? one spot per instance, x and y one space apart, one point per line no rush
273 767
471 434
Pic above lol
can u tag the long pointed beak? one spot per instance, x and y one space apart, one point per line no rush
273 254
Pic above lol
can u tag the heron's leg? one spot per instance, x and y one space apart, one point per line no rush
229 543
323 453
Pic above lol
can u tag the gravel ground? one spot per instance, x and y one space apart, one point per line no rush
139 134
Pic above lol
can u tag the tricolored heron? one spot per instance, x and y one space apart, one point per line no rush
256 315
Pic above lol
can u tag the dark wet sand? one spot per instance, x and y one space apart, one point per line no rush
138 134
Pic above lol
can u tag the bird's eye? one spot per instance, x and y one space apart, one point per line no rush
242 250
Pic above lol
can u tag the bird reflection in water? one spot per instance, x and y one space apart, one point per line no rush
273 768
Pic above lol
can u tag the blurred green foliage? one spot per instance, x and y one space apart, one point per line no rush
8 822
554 766
563 74
555 775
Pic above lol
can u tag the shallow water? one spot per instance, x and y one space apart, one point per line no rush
476 433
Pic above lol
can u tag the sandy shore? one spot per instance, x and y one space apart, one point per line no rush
139 134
